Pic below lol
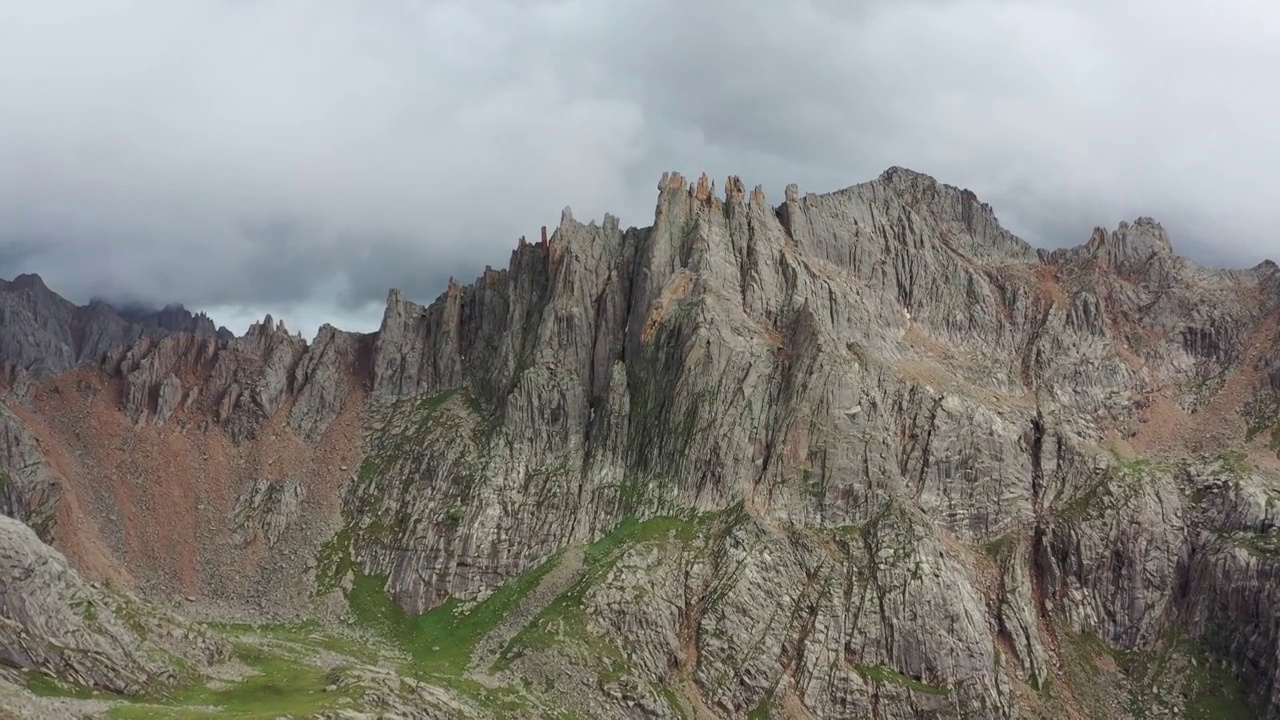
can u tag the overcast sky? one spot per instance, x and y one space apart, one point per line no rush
300 157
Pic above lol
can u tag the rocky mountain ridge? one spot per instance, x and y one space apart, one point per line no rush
862 454
43 334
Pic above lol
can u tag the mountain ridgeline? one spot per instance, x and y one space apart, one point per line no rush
863 454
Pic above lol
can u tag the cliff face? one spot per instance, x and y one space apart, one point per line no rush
893 460
43 334
863 454
193 465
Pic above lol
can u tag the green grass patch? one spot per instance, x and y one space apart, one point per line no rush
1126 468
882 674
1124 476
1209 687
632 532
333 561
504 703
309 635
44 686
256 697
1001 546
565 625
1087 648
1234 463
762 711
443 639
1215 695
848 531
1093 671
1083 505
281 686
673 702
1259 545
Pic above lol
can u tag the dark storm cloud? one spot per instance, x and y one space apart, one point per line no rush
302 157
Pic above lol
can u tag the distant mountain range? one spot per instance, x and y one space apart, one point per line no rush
45 334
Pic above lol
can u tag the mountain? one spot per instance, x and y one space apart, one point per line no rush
57 622
861 454
43 334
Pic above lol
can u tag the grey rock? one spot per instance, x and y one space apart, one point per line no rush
29 488
708 363
53 622
241 382
862 454
44 334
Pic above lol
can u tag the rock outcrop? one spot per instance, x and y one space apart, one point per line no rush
946 454
43 334
54 623
191 464
862 454
29 490
242 381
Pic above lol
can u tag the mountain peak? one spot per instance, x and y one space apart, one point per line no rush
29 281
1131 246
44 333
915 182
875 397
898 172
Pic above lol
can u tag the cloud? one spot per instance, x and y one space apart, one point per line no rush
301 157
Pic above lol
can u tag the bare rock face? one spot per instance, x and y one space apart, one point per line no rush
52 622
861 454
44 334
242 381
885 458
192 464
29 488
322 378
